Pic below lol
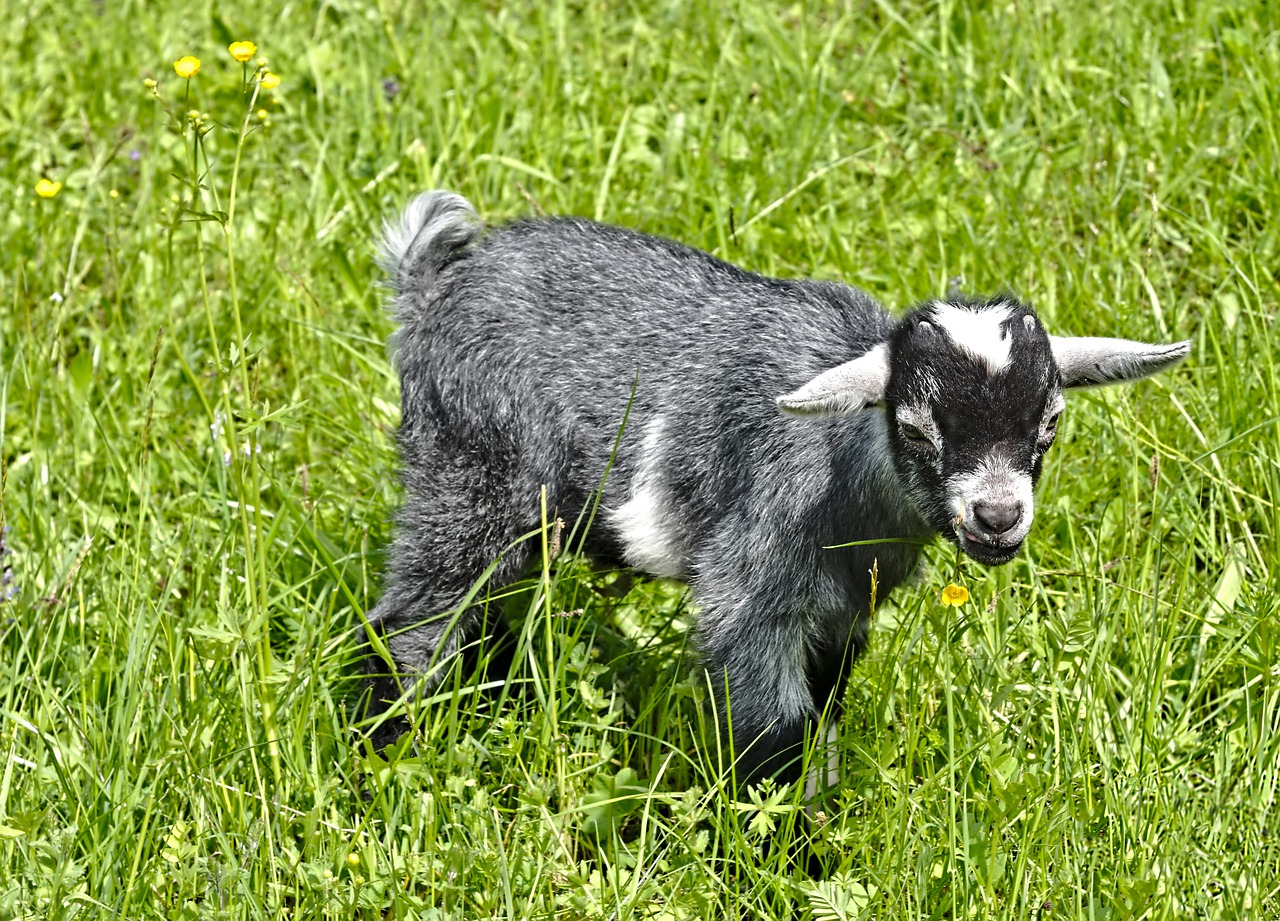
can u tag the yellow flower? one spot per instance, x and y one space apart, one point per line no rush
47 189
187 67
242 51
270 81
353 859
954 595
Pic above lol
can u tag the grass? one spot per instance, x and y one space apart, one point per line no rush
1094 735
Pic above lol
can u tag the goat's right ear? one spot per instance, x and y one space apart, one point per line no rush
844 390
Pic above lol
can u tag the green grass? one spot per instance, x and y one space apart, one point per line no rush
1093 736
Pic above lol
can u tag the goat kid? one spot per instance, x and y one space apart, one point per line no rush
770 419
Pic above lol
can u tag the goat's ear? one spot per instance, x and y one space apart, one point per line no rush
1088 361
844 390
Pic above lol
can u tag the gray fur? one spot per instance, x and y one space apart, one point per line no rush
518 353
432 229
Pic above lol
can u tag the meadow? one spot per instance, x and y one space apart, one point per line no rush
197 417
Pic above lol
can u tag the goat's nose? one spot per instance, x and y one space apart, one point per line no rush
998 517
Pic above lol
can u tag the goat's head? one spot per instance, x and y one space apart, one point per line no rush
972 391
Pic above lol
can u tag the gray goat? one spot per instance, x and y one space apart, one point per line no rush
770 419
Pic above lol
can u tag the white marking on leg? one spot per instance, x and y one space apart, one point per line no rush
979 333
827 774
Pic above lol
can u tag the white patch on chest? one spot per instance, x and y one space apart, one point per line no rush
645 523
979 333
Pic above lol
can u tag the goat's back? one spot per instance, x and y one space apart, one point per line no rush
581 312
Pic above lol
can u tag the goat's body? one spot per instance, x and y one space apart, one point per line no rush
521 354
707 477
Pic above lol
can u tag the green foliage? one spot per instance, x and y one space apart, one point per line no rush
196 417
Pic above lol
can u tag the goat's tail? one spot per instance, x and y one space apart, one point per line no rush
430 232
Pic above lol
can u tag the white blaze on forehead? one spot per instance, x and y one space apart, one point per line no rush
980 332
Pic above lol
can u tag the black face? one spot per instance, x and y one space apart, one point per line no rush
973 401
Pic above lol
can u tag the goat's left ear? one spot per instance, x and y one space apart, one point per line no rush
1089 361
844 390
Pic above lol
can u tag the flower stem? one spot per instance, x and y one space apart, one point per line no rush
256 625
257 551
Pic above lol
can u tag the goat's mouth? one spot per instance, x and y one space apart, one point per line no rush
988 549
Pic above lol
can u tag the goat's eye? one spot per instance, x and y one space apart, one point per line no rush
915 437
1050 429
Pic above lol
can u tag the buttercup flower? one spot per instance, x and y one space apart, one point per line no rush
47 189
270 81
242 51
186 67
954 595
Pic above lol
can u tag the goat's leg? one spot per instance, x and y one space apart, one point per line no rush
762 696
432 607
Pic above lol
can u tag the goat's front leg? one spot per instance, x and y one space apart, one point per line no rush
757 668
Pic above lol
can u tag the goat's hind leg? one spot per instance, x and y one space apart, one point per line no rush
433 608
